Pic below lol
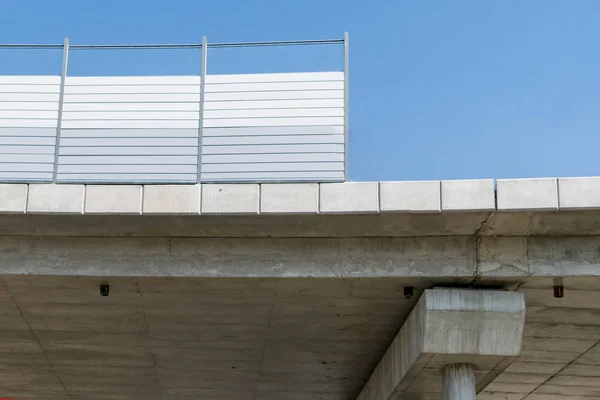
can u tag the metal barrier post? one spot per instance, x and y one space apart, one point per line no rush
346 132
61 97
201 116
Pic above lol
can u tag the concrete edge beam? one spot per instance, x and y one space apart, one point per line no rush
13 198
454 325
417 197
56 199
230 199
299 198
172 199
468 195
349 198
305 198
527 194
113 199
579 193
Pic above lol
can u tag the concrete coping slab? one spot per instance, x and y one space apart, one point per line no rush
429 197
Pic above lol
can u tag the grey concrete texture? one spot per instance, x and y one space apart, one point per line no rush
543 223
326 198
442 257
448 326
264 339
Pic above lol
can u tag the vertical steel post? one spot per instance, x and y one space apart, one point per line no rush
201 117
346 83
61 97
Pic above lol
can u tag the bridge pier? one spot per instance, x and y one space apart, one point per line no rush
463 335
459 382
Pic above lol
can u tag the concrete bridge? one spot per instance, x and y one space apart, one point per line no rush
369 291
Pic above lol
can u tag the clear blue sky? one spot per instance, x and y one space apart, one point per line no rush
439 89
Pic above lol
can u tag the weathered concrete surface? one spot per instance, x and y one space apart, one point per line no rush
445 256
563 223
266 339
469 195
289 199
230 199
528 194
349 198
449 326
410 196
13 198
171 199
59 199
337 198
113 199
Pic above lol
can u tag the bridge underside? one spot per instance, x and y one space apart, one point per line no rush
293 303
264 338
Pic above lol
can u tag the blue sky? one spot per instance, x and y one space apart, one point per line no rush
439 90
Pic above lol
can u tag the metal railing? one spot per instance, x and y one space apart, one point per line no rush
67 47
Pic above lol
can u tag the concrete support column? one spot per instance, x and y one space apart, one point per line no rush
453 340
459 382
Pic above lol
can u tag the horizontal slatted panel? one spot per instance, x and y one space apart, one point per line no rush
269 139
270 167
274 127
274 130
287 176
126 177
130 129
28 121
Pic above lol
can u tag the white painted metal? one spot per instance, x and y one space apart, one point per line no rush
301 176
125 160
128 151
133 80
29 88
285 139
32 105
273 167
271 158
118 128
275 95
28 114
129 115
118 142
128 133
28 121
29 97
270 149
130 124
132 98
298 121
273 86
129 177
125 89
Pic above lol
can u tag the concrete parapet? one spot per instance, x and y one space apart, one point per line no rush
349 198
113 199
230 199
527 194
171 199
579 193
468 195
410 196
300 198
13 198
60 199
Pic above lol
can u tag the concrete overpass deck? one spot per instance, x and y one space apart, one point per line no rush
286 291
